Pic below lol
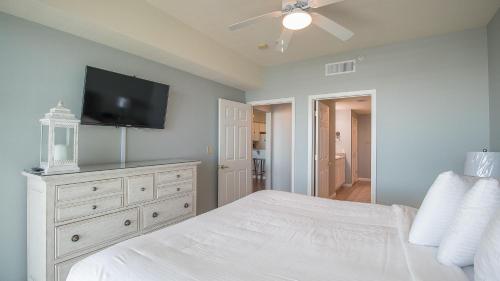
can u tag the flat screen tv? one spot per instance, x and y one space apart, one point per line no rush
113 99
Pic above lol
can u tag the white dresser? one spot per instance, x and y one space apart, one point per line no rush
73 215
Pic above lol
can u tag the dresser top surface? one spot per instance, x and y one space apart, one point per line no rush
116 166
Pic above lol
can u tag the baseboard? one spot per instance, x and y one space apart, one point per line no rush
364 179
347 185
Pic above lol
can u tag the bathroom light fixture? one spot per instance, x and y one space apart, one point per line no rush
297 19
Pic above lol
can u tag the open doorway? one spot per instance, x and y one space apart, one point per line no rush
237 148
261 147
342 146
272 145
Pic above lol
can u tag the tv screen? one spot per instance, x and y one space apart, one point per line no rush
113 99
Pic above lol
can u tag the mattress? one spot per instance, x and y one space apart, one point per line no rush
275 236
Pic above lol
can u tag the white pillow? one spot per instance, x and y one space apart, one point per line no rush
469 272
461 240
487 259
439 208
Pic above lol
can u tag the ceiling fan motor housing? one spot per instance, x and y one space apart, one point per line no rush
303 5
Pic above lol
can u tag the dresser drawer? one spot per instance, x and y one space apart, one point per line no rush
92 232
164 211
176 188
140 188
62 269
88 189
88 207
173 176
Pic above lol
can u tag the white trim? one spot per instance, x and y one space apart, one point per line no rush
290 100
364 179
310 146
272 101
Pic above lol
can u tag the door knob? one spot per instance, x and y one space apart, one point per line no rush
222 167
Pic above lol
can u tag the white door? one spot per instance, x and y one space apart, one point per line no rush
235 151
354 150
322 150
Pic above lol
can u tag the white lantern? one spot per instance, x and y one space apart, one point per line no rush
59 141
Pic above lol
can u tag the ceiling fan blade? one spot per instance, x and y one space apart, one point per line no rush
284 40
332 27
250 21
320 3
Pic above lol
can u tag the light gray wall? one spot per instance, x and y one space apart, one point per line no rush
432 107
282 147
494 70
364 145
39 66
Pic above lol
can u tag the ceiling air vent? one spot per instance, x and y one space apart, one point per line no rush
340 67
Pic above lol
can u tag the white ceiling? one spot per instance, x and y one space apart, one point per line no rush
193 36
374 22
138 28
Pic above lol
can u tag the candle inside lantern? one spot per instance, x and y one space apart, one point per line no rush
60 152
59 144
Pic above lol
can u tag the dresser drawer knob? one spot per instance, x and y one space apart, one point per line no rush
143 189
75 238
155 214
94 188
178 189
94 207
186 205
127 222
178 176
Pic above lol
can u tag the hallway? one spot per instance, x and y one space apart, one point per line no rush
359 192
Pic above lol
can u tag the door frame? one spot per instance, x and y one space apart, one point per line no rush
310 141
290 100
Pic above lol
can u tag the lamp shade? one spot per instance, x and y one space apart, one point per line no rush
482 164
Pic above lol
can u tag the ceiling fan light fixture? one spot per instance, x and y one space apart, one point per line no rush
297 20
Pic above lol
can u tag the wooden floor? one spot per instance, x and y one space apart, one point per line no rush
359 192
258 184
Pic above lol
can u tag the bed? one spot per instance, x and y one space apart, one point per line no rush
278 236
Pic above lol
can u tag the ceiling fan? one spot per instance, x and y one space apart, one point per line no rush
299 15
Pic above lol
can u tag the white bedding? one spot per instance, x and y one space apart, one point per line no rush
277 236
